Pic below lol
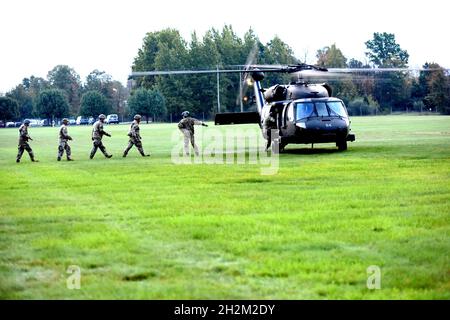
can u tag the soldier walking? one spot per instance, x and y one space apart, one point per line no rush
135 138
269 124
63 141
23 142
186 126
97 135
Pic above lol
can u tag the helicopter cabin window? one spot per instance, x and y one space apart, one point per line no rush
305 110
336 109
322 110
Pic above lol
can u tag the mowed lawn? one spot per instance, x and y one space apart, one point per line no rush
147 228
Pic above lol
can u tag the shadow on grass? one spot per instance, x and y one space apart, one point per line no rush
311 151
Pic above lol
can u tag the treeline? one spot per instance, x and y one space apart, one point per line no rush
164 97
62 94
167 50
363 92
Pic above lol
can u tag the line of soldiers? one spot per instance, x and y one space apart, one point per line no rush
186 126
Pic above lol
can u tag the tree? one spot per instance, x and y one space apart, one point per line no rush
65 78
355 64
362 106
94 103
24 100
331 57
147 102
9 109
391 90
276 51
26 94
203 55
101 82
120 95
384 52
52 103
437 95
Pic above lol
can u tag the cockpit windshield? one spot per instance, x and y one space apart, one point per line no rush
305 110
336 108
321 109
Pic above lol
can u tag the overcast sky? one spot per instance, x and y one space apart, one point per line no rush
37 35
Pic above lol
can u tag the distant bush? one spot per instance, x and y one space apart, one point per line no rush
363 106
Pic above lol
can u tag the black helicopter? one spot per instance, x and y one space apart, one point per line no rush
305 113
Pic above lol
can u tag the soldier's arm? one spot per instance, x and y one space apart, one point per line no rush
198 122
26 136
103 132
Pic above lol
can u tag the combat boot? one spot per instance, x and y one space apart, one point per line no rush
59 158
108 156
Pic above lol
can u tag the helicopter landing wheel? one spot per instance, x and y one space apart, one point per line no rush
342 145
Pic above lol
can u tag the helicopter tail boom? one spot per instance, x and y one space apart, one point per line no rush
236 118
258 96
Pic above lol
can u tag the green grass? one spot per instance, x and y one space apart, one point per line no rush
146 228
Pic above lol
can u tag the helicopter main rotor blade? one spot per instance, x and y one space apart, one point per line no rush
303 69
181 72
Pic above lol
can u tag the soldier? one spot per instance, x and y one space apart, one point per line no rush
269 123
23 142
63 141
97 135
135 138
186 126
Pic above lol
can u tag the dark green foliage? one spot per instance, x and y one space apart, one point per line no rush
331 57
52 103
166 50
24 100
94 103
390 89
384 52
9 109
65 78
148 103
362 106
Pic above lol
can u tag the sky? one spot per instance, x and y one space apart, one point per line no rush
37 35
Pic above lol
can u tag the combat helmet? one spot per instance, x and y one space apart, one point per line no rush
137 117
185 114
102 117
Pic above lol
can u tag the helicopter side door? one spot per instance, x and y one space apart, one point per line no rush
288 126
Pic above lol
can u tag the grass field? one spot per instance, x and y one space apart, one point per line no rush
146 228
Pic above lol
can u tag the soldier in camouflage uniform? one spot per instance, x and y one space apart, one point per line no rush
186 126
23 142
135 138
63 141
97 135
269 124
